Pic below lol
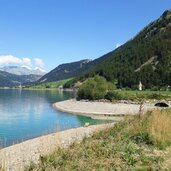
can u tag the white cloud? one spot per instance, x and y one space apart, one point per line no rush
12 60
9 59
39 62
118 45
26 61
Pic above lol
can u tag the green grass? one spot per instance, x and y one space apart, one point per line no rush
134 144
138 95
147 92
48 85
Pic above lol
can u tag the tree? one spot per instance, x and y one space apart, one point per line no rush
94 88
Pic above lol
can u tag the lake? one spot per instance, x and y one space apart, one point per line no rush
25 114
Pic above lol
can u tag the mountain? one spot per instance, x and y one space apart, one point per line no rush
23 70
67 70
12 80
145 58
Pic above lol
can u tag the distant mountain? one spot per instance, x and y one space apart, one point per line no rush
145 58
23 70
12 80
67 70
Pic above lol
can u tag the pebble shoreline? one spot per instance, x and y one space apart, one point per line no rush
17 157
101 109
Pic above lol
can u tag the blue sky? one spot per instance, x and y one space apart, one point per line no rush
46 33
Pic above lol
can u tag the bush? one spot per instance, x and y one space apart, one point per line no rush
69 84
155 88
114 95
94 88
47 86
156 96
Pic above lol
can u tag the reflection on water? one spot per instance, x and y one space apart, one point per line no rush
26 114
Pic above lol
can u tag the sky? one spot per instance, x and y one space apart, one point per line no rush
46 33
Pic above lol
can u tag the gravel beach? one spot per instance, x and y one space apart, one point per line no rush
101 110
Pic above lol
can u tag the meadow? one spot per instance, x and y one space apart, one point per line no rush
48 85
137 143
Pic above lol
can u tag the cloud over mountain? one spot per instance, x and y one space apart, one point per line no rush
39 62
12 60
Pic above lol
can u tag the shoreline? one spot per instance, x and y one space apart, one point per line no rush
18 156
101 110
58 89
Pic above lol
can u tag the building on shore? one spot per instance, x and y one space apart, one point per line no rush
140 86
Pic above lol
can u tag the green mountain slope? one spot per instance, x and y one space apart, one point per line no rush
145 58
69 70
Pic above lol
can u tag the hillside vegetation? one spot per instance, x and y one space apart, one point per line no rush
96 88
145 58
134 144
48 85
65 71
69 70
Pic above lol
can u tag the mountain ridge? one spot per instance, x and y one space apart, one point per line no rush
23 70
12 80
146 58
66 70
153 41
55 75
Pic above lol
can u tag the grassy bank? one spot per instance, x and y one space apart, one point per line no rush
134 144
48 85
138 95
146 92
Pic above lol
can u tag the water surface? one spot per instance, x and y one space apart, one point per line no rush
26 114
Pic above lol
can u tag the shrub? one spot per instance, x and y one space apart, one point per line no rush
69 84
155 88
140 96
47 86
114 95
155 96
94 88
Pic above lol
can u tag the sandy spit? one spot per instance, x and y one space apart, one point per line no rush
100 110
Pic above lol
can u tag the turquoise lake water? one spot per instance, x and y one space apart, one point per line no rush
26 114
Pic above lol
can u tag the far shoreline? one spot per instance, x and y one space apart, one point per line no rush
43 89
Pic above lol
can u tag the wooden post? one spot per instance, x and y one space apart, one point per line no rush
141 109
